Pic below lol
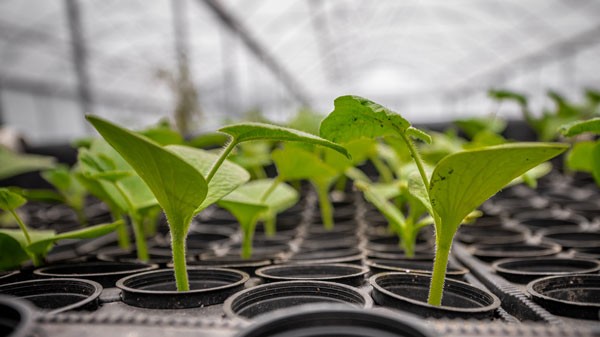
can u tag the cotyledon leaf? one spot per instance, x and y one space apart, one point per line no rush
228 177
10 200
294 163
464 180
17 163
259 131
177 185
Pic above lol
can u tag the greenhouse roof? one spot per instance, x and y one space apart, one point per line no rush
431 60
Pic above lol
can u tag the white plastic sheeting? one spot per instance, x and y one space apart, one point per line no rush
428 59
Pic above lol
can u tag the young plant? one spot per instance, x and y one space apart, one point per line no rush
15 163
20 245
185 180
459 183
256 200
585 154
111 179
71 191
295 163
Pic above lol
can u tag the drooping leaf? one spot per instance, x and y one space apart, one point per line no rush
10 200
462 181
579 127
259 131
355 117
179 187
14 163
228 177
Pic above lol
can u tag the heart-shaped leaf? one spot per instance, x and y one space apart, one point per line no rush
355 117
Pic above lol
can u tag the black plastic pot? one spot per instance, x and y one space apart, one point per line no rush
269 297
391 244
413 266
329 320
409 292
572 295
587 253
157 290
57 295
232 261
468 234
487 252
590 210
332 272
344 255
16 317
536 224
569 238
105 273
159 256
421 256
528 269
9 276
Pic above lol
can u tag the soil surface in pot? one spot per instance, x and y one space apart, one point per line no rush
571 295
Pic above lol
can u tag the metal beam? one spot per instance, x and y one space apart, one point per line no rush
79 55
180 33
260 51
53 89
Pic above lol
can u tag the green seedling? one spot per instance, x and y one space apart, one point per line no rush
460 182
585 154
185 180
295 163
405 226
547 124
257 200
111 179
20 245
14 163
71 191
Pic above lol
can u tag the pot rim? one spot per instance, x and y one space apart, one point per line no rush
530 289
497 266
121 282
494 305
360 270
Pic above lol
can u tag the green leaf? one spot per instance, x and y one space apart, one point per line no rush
39 245
228 177
354 117
307 121
259 131
500 95
10 200
294 163
163 135
245 202
473 126
530 177
596 163
12 255
579 158
208 140
462 181
378 195
579 127
14 164
179 187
